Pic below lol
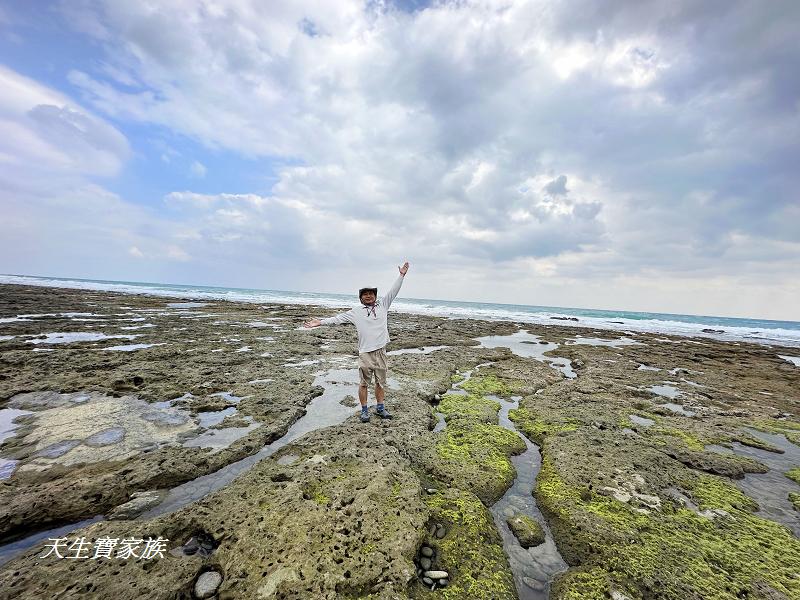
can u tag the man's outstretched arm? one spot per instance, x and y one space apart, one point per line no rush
345 317
387 299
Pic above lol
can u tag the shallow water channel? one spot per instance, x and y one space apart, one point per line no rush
770 489
534 568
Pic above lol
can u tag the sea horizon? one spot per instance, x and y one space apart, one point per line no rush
765 331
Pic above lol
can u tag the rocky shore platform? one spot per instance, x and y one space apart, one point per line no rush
523 461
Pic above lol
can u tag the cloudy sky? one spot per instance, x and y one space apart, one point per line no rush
624 155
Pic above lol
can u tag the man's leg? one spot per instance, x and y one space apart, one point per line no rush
381 409
362 394
379 393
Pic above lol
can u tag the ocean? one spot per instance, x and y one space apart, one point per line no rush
786 333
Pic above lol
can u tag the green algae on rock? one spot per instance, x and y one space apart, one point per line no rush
536 428
454 406
472 452
528 531
673 553
472 551
794 474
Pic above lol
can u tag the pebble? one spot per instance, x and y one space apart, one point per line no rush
533 584
444 582
431 490
436 574
432 529
191 547
207 584
427 581
425 563
440 531
426 551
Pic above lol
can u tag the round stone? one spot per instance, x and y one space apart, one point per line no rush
440 531
444 582
427 581
436 574
426 551
207 584
425 563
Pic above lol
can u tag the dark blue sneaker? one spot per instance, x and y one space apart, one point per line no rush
365 416
382 412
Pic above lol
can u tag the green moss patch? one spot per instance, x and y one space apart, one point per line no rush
670 554
692 442
471 406
487 384
475 456
582 584
535 428
794 474
472 551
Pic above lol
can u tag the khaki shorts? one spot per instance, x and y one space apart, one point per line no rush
370 363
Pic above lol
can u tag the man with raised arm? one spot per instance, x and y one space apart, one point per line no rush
370 319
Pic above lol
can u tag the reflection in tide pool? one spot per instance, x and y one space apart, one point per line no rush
528 345
771 490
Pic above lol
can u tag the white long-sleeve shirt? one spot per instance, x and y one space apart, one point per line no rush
371 322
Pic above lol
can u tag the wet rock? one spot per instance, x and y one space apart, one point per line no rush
528 531
444 582
58 449
112 435
427 581
616 493
727 465
533 584
426 551
207 584
436 574
440 531
349 401
139 503
715 513
191 547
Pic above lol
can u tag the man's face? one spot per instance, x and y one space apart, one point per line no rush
368 298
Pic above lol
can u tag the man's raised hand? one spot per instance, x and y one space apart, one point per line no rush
312 323
404 269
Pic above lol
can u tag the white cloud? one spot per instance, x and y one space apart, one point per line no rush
46 139
197 170
531 141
